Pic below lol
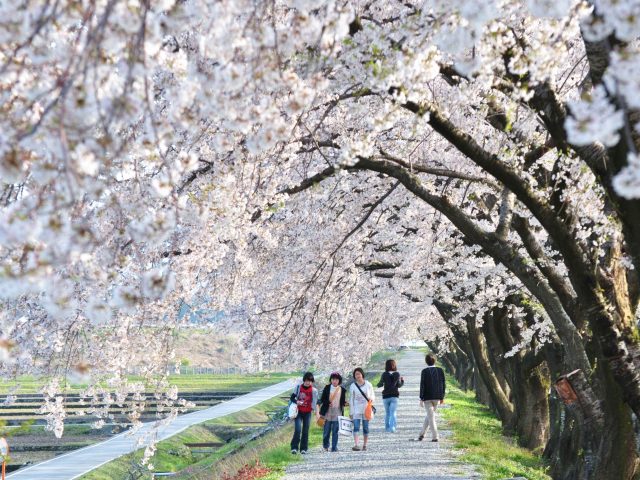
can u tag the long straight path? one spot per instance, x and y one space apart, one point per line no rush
77 463
390 456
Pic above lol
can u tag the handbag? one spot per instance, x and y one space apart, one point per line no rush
292 412
320 422
369 410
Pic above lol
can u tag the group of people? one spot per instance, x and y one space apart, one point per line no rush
333 400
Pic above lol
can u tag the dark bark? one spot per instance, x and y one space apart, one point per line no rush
557 282
528 378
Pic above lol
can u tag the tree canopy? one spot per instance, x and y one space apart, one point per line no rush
335 176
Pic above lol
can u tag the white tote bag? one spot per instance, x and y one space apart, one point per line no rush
345 426
293 410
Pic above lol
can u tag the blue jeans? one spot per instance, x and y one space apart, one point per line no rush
330 429
356 426
301 432
390 407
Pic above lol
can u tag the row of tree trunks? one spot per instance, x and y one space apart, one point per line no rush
591 438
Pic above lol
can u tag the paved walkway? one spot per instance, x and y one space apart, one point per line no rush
390 456
74 464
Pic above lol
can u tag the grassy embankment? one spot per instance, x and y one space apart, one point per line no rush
172 455
478 432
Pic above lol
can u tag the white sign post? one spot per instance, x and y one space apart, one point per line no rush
4 453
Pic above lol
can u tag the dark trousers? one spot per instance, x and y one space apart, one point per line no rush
330 429
301 432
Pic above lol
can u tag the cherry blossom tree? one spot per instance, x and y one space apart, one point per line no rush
328 173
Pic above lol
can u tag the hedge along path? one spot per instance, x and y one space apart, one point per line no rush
390 456
79 462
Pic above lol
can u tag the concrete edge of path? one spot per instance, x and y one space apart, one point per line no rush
43 470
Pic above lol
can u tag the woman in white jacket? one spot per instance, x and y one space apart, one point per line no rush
360 392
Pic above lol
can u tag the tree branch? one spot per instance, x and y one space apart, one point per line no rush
499 250
573 255
442 172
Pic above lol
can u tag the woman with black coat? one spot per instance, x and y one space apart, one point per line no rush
391 381
332 404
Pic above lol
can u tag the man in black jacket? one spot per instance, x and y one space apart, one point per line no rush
432 388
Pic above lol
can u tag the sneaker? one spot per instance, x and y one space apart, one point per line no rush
434 440
294 451
303 452
334 449
420 438
364 447
326 449
355 448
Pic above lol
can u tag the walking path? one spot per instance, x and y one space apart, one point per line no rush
74 464
390 456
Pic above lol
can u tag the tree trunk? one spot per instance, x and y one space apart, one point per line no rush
482 392
527 377
532 407
592 438
504 407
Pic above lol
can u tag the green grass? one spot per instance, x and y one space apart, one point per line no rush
478 432
278 457
377 360
185 383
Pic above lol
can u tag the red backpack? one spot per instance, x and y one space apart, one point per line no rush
305 395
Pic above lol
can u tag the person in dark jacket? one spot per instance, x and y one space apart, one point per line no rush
432 389
391 381
332 404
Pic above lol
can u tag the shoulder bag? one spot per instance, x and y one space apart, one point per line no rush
369 410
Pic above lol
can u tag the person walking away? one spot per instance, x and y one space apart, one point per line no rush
360 393
391 381
306 397
332 404
432 389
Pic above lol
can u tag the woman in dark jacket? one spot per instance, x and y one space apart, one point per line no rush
332 404
391 381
